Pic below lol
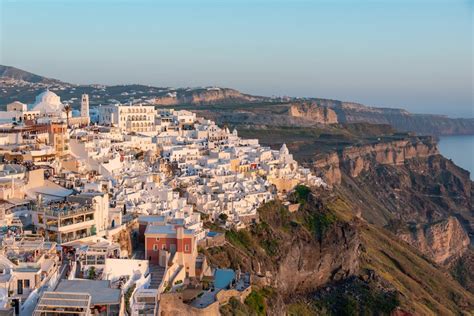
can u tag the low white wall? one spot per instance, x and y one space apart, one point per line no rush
115 268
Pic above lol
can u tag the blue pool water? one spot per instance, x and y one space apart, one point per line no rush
223 277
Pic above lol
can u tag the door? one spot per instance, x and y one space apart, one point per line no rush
20 287
172 248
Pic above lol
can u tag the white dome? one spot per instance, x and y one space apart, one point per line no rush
48 103
48 97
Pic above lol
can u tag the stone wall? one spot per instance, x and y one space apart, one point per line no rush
171 304
224 296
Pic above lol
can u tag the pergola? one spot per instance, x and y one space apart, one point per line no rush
54 303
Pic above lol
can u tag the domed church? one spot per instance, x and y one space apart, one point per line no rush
48 104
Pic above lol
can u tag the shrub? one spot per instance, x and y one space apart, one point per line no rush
127 297
319 222
256 301
302 193
91 273
239 238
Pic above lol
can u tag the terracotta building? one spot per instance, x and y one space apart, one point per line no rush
169 243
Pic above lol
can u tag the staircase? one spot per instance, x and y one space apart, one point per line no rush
156 276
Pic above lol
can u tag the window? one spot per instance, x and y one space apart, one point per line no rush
19 286
26 283
157 238
163 247
155 247
186 247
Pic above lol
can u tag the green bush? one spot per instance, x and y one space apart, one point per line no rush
239 238
91 273
319 222
127 297
256 302
302 193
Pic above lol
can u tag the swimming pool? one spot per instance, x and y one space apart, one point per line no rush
223 277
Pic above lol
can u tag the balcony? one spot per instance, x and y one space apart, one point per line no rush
72 226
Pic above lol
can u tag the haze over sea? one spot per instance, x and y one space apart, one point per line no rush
460 149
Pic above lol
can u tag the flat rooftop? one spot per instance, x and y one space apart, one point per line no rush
165 229
53 303
100 291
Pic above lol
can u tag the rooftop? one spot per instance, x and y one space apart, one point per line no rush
165 229
58 303
100 291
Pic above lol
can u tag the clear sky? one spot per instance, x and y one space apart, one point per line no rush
415 54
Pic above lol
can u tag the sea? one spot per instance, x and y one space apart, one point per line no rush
460 149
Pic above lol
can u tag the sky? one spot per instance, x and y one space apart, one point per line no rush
412 54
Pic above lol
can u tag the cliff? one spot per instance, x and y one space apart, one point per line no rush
443 242
287 252
323 259
402 120
327 166
406 186
205 96
359 158
310 111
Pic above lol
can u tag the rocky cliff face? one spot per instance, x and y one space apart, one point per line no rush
356 159
406 186
361 158
328 167
313 112
292 257
402 120
206 97
309 265
443 242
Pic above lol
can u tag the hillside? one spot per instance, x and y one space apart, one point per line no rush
325 260
7 72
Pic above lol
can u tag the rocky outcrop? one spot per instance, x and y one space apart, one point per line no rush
307 266
328 168
361 158
402 120
313 112
443 242
292 257
205 96
357 159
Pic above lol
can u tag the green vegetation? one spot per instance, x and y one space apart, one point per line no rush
91 273
93 230
235 308
463 270
256 301
302 193
319 222
356 297
127 297
240 238
300 309
424 289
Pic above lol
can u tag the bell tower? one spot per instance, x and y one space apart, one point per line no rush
85 105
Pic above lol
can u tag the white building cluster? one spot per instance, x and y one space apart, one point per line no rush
82 186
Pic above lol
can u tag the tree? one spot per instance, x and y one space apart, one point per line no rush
67 109
91 273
